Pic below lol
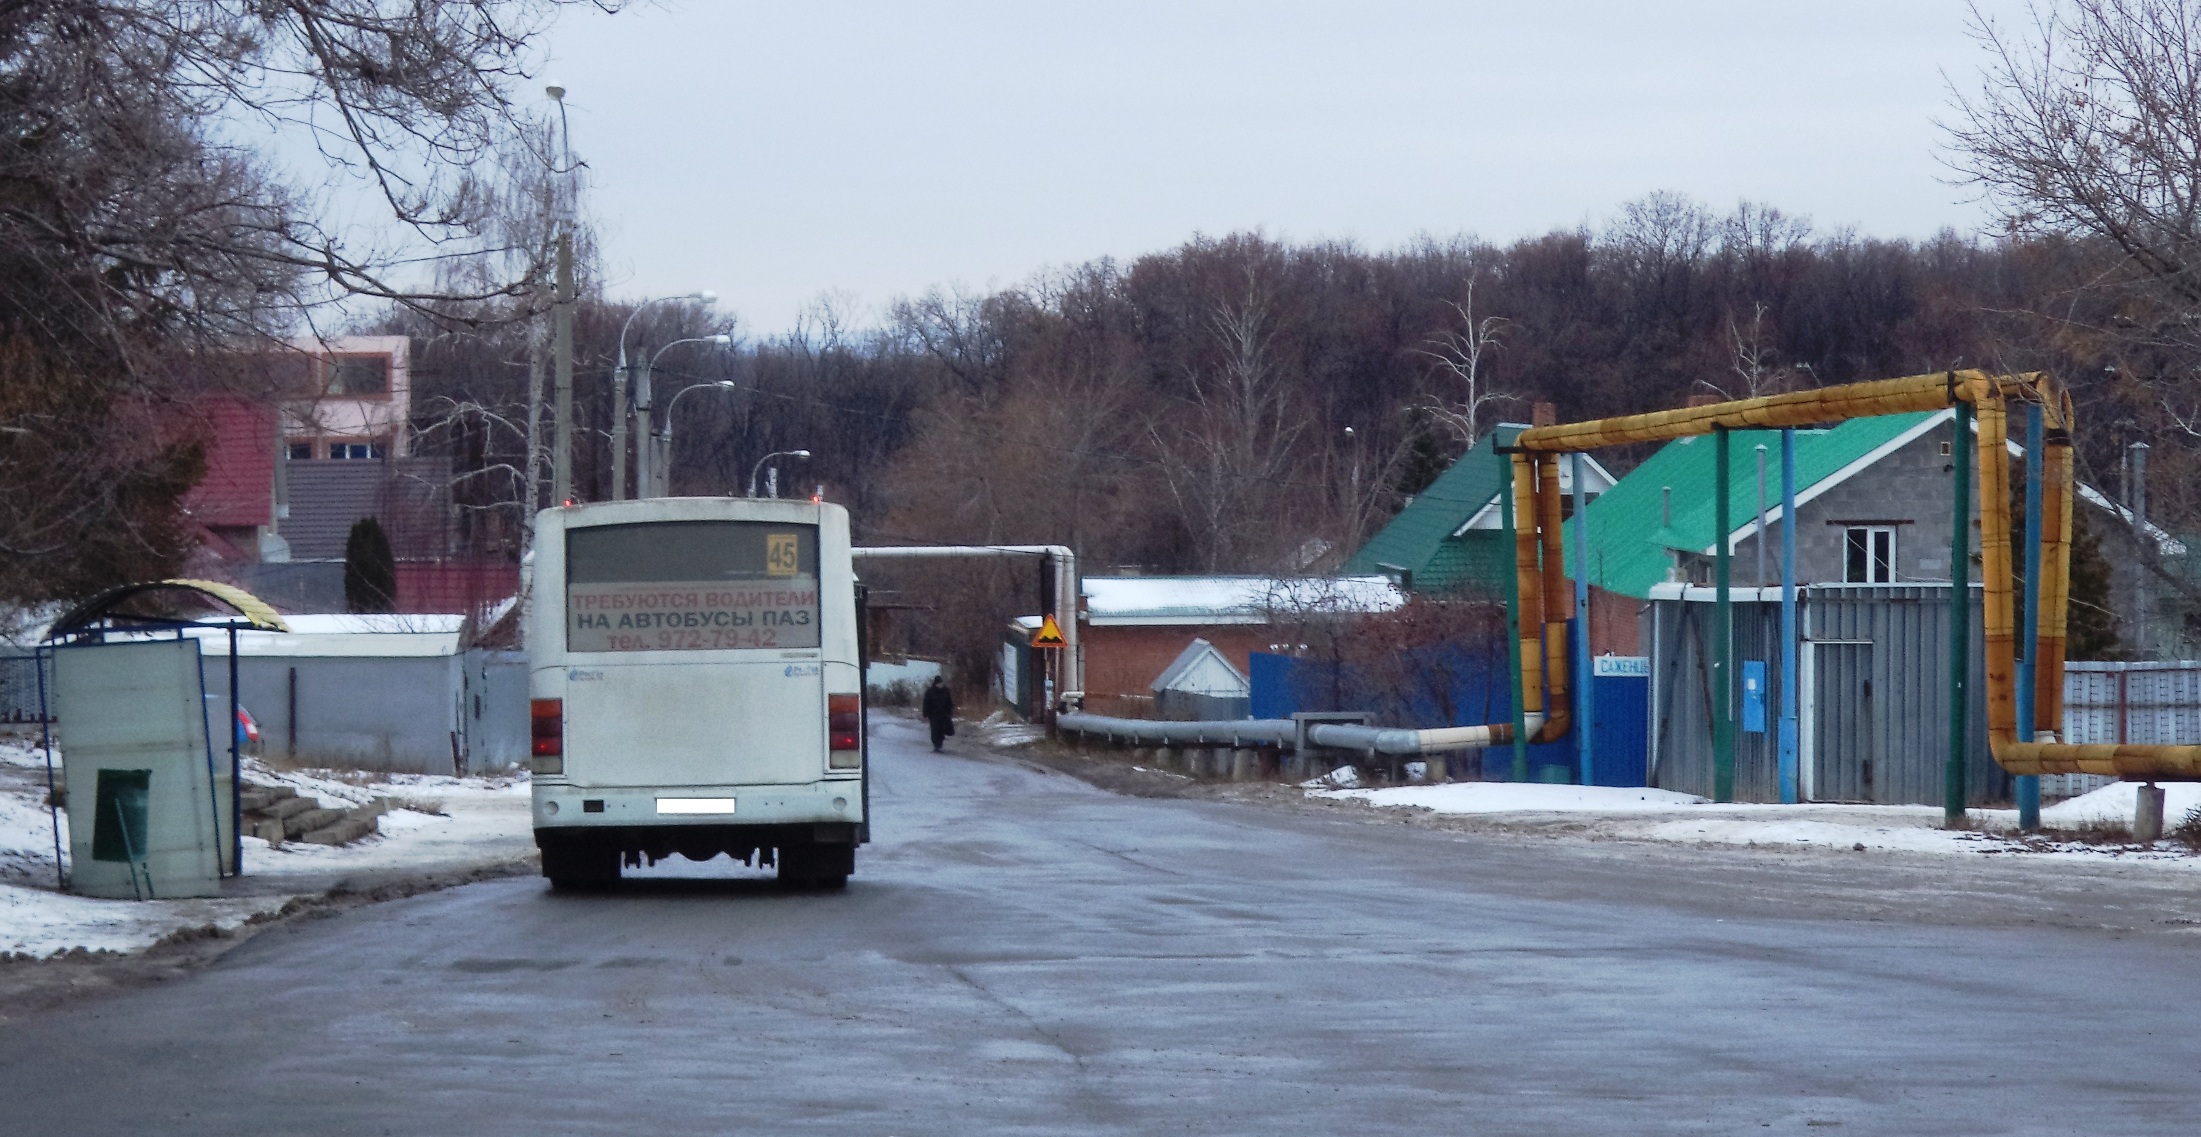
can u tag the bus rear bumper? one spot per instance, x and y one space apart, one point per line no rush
560 807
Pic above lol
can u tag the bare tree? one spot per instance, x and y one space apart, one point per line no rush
1754 363
2085 130
2088 125
1459 353
154 221
1223 459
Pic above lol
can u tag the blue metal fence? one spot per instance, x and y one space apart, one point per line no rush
1474 689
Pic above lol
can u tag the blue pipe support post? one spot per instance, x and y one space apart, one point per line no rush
1583 680
1953 795
1790 696
1513 620
2029 785
1723 646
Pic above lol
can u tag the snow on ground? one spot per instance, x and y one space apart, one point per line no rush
2117 800
1514 797
1665 816
479 821
1001 729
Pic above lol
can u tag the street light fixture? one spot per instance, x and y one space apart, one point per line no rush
759 468
666 438
641 403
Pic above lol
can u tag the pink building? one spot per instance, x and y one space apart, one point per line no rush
357 395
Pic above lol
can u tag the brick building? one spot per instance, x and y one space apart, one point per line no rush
1134 627
287 480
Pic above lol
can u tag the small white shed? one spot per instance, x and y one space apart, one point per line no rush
1201 684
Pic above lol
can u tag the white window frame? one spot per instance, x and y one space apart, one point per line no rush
1877 569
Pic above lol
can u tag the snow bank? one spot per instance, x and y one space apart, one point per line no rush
1002 729
1520 797
1665 816
482 820
42 922
2117 801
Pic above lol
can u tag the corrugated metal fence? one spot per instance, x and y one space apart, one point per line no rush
1874 673
19 686
2126 702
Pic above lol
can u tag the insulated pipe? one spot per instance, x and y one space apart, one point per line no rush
1344 736
1284 733
1797 408
1269 732
1530 583
1558 601
1896 396
2137 761
1066 591
1998 617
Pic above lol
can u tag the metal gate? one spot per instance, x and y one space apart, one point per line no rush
1841 764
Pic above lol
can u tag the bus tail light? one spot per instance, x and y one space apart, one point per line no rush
844 726
547 734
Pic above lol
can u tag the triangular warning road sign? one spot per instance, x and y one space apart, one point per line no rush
1049 634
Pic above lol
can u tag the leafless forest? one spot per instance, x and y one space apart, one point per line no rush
1245 404
1239 403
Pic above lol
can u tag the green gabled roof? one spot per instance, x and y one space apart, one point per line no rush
1629 543
1420 538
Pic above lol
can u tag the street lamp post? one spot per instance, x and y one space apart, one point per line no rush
653 458
759 468
641 403
667 436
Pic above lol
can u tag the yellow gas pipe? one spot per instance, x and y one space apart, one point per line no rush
1536 505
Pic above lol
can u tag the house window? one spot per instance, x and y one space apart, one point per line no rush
355 451
301 451
359 375
1868 554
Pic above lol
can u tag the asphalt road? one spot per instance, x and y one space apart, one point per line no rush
1020 953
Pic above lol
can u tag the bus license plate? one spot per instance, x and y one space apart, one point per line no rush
693 805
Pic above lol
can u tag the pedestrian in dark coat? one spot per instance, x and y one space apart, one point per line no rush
939 710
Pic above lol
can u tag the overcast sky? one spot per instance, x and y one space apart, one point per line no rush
777 152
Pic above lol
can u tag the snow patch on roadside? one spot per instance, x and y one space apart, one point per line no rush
2117 801
1513 797
1665 816
483 820
1001 729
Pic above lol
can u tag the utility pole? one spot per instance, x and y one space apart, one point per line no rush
644 468
1759 539
1954 792
1723 643
561 323
619 412
2143 600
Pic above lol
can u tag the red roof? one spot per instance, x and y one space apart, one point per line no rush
239 487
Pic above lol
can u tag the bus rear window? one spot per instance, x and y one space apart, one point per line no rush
691 586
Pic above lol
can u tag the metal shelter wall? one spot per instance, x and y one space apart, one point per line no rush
149 809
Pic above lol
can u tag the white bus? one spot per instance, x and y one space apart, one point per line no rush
696 683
